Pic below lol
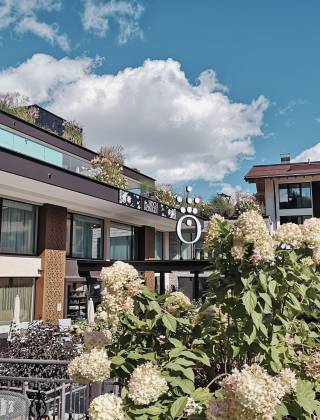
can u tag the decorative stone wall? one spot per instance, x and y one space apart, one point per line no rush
54 263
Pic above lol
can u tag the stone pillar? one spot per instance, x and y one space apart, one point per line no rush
52 248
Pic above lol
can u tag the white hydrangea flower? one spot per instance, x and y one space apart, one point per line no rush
121 276
288 234
192 407
177 301
146 384
93 366
251 394
213 231
106 407
311 231
250 230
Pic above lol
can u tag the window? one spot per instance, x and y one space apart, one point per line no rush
123 242
37 150
159 245
84 237
293 219
18 230
187 250
295 196
9 288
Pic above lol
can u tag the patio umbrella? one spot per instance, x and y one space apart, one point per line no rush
90 315
16 310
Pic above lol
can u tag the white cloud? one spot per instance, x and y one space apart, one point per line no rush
48 32
170 128
291 105
97 15
22 16
313 153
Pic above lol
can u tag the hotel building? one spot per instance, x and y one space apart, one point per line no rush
53 215
290 191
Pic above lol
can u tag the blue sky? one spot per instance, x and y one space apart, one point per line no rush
268 48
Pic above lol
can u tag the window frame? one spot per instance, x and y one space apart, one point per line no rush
134 240
287 185
69 252
35 232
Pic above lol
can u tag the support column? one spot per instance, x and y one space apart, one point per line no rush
147 252
52 248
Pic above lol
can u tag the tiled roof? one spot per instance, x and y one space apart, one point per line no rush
283 170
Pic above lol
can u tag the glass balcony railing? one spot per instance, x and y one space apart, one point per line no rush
37 150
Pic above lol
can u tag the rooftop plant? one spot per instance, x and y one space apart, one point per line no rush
108 166
73 132
17 105
164 194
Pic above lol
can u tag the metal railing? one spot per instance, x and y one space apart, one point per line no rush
54 399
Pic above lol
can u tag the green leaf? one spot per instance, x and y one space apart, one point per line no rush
305 395
154 306
201 395
249 300
184 362
186 385
188 373
266 298
272 287
178 407
176 343
117 360
169 322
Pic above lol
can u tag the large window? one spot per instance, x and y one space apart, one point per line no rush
293 219
159 245
84 237
18 229
9 288
36 149
123 242
295 196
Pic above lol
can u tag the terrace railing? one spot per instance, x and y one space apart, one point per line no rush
51 398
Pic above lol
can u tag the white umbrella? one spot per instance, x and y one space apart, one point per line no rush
16 310
90 315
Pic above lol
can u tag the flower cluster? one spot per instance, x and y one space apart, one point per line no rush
311 232
192 407
106 407
177 301
312 365
251 394
250 230
146 384
109 167
288 234
121 283
214 232
93 366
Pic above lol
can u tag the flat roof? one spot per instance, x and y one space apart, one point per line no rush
283 170
52 138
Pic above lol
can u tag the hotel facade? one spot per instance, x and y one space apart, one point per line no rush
53 215
290 191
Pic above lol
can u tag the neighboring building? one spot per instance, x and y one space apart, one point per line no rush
52 214
290 191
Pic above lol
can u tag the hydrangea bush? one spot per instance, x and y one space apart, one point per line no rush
262 310
250 352
153 352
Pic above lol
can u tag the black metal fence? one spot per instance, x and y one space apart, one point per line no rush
54 399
